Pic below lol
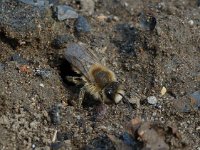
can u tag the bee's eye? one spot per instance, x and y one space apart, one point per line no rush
109 93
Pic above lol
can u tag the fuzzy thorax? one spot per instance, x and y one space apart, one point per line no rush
101 76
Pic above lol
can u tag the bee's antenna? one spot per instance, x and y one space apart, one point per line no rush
125 100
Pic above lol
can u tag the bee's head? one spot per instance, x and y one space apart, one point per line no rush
113 92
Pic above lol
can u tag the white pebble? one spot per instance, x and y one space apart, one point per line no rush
191 22
152 100
41 85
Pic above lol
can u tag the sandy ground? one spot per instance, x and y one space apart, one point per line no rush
149 45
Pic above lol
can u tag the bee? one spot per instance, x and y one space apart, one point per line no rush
97 79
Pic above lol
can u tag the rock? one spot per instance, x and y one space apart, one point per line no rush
147 21
163 91
54 114
61 40
125 38
87 6
36 2
64 12
195 100
152 100
56 145
43 73
41 85
62 136
82 25
19 59
33 146
2 67
191 22
182 105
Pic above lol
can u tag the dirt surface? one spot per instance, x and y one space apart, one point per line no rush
151 46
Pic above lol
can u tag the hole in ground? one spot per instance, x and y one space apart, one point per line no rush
66 70
8 40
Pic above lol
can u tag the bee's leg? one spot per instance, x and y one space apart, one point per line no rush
76 80
101 97
81 96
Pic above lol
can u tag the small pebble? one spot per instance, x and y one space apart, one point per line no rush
18 58
43 73
195 99
56 145
191 22
41 85
2 67
82 25
152 100
163 91
62 136
54 114
33 146
64 12
35 2
147 21
182 105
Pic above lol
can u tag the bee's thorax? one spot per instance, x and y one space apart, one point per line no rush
101 76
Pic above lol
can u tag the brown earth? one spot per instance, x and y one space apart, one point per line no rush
34 106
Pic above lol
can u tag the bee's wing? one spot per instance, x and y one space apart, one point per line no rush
81 58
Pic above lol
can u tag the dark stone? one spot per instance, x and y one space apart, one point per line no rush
195 99
147 21
82 25
2 67
54 114
19 59
126 37
62 136
56 145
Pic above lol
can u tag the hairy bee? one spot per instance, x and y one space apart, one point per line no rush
97 79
